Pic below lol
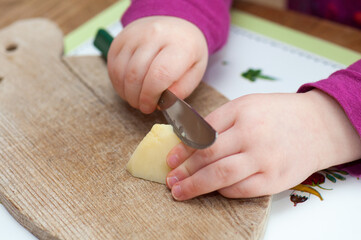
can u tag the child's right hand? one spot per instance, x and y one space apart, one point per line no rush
267 143
155 53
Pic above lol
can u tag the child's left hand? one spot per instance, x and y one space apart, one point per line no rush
267 143
156 53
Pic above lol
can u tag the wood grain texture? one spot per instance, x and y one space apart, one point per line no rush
65 138
281 4
68 14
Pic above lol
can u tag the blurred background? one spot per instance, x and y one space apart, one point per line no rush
271 3
69 14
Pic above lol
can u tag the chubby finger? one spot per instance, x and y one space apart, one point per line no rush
190 80
226 145
218 175
116 46
255 185
179 154
167 67
218 121
116 69
136 70
223 117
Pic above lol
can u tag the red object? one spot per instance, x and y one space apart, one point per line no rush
357 18
296 199
331 12
314 179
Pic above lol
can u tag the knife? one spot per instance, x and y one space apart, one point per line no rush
187 124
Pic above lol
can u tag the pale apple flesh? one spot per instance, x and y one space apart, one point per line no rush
149 158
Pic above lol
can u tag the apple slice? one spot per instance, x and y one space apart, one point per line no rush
149 158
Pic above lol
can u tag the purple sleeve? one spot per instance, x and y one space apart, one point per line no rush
211 17
345 87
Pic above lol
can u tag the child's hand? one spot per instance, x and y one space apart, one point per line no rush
267 143
155 53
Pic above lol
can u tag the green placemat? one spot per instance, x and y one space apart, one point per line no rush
88 30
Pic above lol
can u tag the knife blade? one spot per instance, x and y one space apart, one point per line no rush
188 125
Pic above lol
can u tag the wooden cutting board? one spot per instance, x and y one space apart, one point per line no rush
65 137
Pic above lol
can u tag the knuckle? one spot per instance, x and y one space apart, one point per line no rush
131 76
156 27
192 189
160 73
206 153
187 169
154 30
224 173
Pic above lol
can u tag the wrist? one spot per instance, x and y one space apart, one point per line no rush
344 140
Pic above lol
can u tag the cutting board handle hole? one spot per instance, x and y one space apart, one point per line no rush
11 47
1 78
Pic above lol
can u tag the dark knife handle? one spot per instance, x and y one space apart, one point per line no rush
102 42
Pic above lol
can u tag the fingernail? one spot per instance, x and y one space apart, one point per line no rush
173 161
171 181
177 191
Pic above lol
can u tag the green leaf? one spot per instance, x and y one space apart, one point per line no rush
338 176
254 74
267 77
341 172
331 178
